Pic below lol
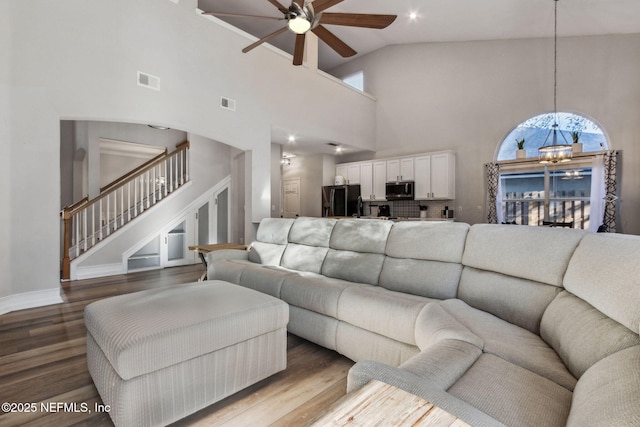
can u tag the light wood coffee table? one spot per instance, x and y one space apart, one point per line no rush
380 404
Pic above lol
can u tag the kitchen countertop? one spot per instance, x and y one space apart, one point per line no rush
397 218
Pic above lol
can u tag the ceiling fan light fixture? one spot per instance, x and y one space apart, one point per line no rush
299 25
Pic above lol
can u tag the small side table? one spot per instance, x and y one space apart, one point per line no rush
381 404
205 249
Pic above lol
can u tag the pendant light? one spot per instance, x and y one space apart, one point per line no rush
555 152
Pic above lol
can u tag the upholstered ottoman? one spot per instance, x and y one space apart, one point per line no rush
158 355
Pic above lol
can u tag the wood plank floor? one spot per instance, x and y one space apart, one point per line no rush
43 361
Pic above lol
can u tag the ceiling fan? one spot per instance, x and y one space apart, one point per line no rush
307 16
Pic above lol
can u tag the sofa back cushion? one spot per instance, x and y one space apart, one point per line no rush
308 244
582 335
605 272
271 241
513 271
423 258
357 250
598 313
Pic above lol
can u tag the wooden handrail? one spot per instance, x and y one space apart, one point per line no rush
71 215
135 171
129 177
84 200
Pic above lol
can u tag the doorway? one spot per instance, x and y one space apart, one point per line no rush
291 192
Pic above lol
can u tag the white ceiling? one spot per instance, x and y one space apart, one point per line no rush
437 21
443 21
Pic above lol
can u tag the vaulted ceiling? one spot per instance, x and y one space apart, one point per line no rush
443 21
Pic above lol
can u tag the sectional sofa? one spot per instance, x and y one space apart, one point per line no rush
497 324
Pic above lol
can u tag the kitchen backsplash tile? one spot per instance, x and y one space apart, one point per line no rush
410 208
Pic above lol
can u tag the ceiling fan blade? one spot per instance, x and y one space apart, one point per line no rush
264 39
364 20
333 41
241 15
298 52
280 7
320 5
299 3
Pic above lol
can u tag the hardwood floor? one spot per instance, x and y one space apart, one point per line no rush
43 362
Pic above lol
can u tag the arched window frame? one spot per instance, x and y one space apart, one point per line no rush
551 200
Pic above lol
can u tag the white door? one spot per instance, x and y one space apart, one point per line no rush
291 192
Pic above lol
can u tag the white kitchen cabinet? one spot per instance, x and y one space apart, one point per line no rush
342 170
373 178
433 173
435 176
366 181
400 169
354 174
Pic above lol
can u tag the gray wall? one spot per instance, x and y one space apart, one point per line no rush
468 96
44 79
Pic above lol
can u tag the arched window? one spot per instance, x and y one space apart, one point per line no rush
535 130
564 194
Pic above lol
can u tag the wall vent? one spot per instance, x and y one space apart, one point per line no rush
227 103
148 81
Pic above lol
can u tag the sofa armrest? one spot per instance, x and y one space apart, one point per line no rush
434 324
364 371
214 256
607 393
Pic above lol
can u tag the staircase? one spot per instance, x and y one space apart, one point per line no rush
89 222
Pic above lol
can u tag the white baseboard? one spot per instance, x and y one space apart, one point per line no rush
93 271
30 300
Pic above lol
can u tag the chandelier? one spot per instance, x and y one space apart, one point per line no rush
556 151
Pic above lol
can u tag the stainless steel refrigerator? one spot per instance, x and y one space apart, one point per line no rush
341 200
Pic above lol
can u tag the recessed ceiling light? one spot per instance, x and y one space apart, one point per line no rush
413 16
292 138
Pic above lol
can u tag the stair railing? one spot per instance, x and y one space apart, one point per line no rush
89 222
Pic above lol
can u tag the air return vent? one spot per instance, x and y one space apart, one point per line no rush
227 103
148 81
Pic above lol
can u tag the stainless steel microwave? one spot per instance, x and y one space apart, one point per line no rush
402 190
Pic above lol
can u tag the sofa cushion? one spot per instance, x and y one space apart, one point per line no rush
312 231
353 266
540 254
266 253
443 363
513 395
360 235
271 240
274 230
361 344
512 343
518 301
431 279
304 258
427 240
605 272
388 313
607 394
435 324
266 279
308 244
314 292
582 335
